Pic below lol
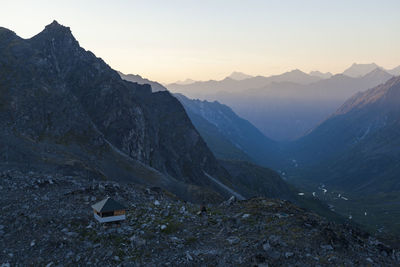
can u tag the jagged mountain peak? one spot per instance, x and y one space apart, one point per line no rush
56 27
56 32
55 24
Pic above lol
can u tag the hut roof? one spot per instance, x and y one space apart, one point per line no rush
107 205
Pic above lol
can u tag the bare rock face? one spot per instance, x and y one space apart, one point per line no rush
62 106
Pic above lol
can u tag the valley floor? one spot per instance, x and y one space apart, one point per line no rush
46 220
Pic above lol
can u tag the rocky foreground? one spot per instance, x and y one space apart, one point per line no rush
46 220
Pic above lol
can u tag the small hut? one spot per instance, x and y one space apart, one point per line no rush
109 210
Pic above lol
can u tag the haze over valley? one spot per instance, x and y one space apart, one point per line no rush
285 107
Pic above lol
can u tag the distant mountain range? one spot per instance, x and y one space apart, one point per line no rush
203 89
355 70
284 107
234 76
358 70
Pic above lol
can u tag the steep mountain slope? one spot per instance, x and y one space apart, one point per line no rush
241 133
218 143
62 107
358 145
155 86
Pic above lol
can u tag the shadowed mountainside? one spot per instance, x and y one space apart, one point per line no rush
241 133
358 144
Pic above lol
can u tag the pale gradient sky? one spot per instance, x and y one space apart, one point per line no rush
174 40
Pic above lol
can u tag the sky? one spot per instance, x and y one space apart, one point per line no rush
174 40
